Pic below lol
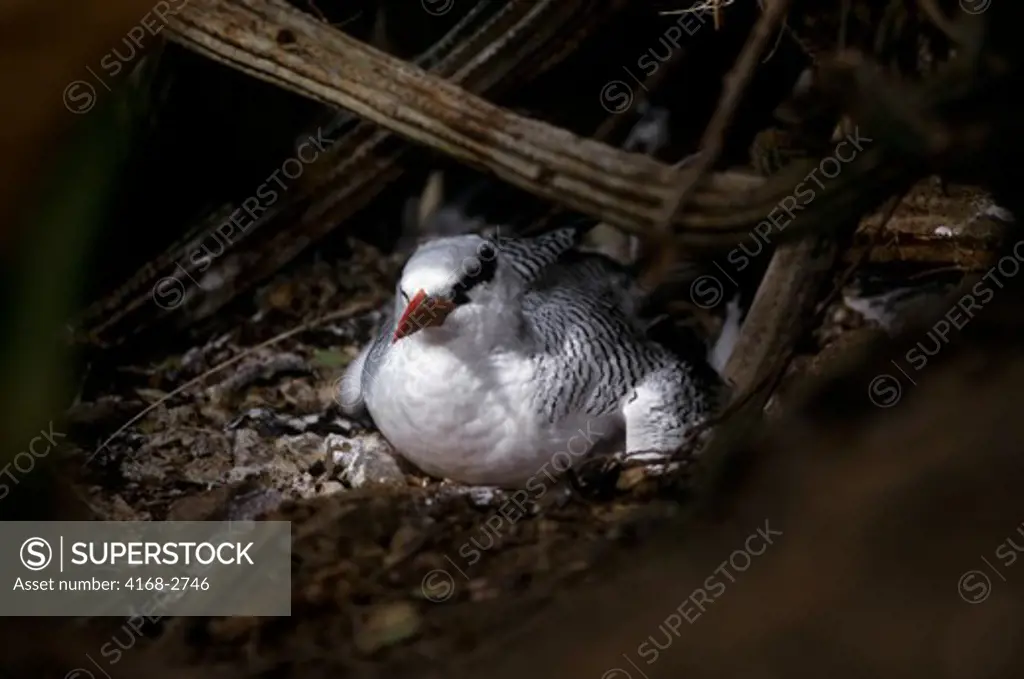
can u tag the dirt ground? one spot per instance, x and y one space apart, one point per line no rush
391 570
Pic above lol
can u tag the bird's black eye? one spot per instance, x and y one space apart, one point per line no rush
405 297
487 251
479 269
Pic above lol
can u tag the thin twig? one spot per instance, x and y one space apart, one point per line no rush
847 274
940 21
348 311
735 85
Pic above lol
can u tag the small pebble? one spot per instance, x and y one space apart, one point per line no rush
386 625
363 460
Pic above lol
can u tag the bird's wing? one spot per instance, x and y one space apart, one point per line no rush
598 278
531 258
350 390
610 289
359 373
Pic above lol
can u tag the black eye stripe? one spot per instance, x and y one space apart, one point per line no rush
475 271
482 271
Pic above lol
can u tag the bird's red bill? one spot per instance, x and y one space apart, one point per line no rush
422 312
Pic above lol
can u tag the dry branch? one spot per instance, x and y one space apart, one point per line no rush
274 42
494 47
736 82
277 43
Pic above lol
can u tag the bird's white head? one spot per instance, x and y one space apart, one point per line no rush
458 283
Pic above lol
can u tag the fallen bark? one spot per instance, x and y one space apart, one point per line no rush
955 226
